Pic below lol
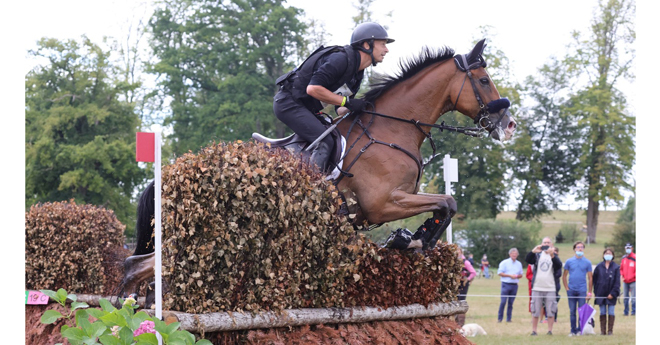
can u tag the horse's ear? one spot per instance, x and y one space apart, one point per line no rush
476 51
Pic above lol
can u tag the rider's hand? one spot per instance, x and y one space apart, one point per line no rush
355 104
341 111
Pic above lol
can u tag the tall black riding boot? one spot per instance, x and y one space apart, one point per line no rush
321 155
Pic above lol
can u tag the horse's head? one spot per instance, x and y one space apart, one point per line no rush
484 106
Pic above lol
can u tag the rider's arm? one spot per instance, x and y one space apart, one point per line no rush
324 95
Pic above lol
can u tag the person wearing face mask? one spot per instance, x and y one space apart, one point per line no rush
628 265
577 279
607 284
544 286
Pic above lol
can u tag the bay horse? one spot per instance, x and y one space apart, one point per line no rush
383 165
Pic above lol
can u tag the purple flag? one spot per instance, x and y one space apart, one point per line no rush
585 313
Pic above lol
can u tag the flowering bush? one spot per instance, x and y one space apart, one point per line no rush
147 326
114 326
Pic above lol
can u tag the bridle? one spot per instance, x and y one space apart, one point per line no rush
483 117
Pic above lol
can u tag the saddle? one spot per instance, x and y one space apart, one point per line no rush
296 144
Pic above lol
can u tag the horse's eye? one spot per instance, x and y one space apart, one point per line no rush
484 81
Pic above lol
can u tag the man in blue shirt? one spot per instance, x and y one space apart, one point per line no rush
579 271
510 270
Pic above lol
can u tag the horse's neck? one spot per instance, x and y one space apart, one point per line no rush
424 97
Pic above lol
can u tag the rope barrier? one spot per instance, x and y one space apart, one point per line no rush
500 296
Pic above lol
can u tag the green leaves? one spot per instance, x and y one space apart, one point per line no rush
116 326
80 133
50 316
226 94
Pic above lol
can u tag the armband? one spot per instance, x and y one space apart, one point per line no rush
343 101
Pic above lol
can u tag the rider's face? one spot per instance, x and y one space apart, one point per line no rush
380 49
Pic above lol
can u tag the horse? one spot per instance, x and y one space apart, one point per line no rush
382 167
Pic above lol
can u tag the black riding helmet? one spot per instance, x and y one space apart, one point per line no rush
368 32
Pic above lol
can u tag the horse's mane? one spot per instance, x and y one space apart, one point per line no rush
408 68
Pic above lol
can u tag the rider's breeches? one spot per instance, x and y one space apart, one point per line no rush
302 121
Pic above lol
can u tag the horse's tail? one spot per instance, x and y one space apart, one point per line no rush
145 215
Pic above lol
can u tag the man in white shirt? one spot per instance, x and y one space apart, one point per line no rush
544 285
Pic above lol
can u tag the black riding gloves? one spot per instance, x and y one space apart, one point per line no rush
355 104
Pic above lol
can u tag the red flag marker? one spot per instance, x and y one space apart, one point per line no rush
145 147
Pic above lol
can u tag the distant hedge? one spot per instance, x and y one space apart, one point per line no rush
249 228
495 237
73 247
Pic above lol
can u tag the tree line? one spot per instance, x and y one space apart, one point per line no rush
215 65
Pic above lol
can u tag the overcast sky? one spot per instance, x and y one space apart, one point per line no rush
528 32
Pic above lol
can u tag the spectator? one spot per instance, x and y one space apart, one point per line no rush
471 259
580 282
484 266
510 270
607 285
529 274
544 286
628 273
467 275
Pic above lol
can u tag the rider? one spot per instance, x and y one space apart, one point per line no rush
330 76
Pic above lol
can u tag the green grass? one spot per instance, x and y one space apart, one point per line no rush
483 310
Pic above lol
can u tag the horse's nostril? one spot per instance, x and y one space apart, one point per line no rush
512 125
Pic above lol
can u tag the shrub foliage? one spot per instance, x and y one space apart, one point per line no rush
72 247
250 228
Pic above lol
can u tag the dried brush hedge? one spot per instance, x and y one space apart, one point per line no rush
246 228
71 246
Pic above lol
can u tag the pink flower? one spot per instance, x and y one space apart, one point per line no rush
145 327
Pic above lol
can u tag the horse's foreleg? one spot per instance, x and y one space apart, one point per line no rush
404 205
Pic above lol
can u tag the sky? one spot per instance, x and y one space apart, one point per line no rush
528 32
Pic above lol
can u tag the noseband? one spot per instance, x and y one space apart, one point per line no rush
482 118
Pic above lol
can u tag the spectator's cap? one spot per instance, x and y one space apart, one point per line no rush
628 245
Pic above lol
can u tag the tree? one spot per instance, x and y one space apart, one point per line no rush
79 133
546 149
219 62
607 152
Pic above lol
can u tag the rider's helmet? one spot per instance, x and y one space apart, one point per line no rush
368 32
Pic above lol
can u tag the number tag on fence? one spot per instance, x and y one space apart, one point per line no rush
35 297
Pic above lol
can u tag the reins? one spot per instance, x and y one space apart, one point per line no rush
471 131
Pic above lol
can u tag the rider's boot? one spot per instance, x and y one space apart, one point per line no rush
321 155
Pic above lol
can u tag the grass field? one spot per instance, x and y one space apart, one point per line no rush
483 310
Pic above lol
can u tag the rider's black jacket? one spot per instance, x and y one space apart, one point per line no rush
330 67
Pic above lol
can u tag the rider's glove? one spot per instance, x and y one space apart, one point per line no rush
355 104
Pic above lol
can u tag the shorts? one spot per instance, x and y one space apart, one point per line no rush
547 298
